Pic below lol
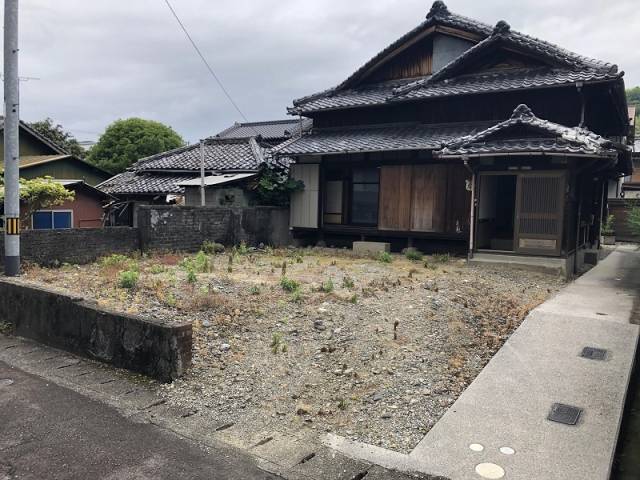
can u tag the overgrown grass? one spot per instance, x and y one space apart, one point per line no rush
211 248
441 257
277 343
347 282
327 286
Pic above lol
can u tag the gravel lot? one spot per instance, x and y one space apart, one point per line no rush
370 350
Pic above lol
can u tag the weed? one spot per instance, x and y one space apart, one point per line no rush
343 404
202 262
211 248
299 259
284 269
413 254
6 328
430 266
128 279
334 263
385 257
114 260
254 290
170 300
353 299
157 269
241 249
441 257
347 282
276 342
289 285
412 272
327 286
191 275
297 297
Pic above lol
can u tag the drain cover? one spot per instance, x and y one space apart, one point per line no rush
593 353
565 414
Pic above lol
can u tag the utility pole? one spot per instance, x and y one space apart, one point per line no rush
203 197
11 144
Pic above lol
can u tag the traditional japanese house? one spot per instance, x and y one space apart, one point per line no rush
464 135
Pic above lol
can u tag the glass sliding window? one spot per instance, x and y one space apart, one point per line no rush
48 219
42 221
333 202
365 186
61 219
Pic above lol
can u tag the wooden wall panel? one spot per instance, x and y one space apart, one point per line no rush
304 204
458 198
429 198
395 198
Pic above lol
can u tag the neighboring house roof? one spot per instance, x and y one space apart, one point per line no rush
29 161
563 68
54 146
269 130
82 185
378 138
542 136
164 173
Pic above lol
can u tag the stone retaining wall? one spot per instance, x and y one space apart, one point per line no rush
160 350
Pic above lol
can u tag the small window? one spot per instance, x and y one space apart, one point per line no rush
47 220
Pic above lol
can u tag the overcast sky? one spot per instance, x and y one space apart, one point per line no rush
101 60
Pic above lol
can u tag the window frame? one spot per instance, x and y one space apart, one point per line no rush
52 213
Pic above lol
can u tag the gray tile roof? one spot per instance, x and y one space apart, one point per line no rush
346 95
270 130
141 183
378 138
220 155
552 138
160 174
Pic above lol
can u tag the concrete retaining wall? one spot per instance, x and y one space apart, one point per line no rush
186 228
162 351
78 245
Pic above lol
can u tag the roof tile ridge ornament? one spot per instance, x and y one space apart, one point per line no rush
501 28
523 112
438 9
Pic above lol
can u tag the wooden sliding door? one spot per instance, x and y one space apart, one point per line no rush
429 198
395 198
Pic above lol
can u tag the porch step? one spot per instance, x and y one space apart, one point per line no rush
560 266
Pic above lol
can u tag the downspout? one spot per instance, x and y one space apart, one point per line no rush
472 216
602 200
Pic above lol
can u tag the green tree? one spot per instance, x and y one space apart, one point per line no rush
58 135
126 141
633 98
275 186
39 194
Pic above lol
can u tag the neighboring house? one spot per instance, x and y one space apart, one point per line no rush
460 133
40 157
85 211
233 160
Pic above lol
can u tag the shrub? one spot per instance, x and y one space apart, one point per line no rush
413 254
289 285
128 279
608 228
633 219
211 248
202 263
441 257
385 257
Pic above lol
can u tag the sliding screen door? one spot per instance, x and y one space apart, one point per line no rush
539 213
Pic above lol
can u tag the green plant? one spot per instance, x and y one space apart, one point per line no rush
170 300
297 297
327 286
608 227
242 249
202 262
128 279
441 257
413 254
430 266
276 342
114 260
157 269
211 248
39 194
6 327
191 275
353 299
254 290
289 285
347 282
276 186
343 404
385 257
633 218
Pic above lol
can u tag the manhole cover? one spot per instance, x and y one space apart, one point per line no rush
593 353
5 382
565 414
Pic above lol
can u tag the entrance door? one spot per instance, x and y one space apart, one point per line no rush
540 213
496 214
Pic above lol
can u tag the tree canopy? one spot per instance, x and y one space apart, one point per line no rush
633 98
126 141
58 135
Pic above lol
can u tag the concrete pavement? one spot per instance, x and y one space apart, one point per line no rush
50 432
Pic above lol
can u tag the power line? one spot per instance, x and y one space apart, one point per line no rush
204 60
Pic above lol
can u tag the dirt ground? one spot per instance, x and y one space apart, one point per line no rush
319 339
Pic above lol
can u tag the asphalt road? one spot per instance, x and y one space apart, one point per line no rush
50 432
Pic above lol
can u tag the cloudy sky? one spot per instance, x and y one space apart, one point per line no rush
101 60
